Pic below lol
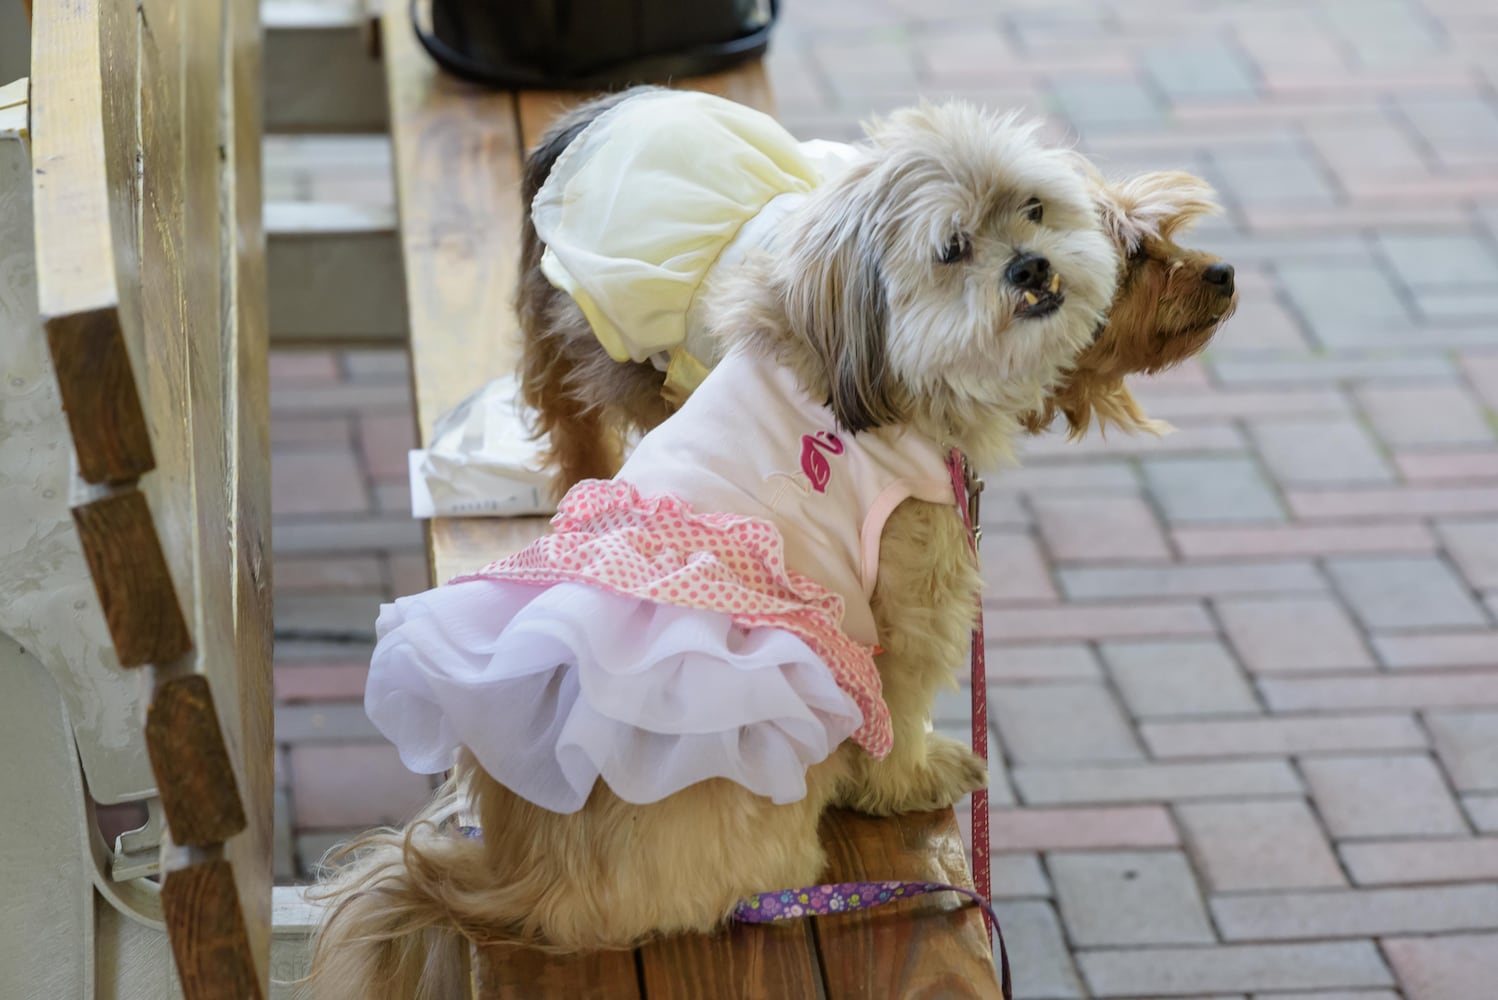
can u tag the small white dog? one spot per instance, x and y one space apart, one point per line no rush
923 300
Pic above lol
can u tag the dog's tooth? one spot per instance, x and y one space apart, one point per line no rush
1055 284
1031 298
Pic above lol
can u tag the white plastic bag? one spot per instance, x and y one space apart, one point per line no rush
483 461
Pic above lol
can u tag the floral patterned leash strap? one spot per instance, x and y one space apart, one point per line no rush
845 897
839 897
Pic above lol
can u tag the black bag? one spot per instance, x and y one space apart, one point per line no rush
592 44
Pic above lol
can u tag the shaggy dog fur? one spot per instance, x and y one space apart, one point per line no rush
899 302
1164 311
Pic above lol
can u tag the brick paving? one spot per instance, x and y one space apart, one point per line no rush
1244 679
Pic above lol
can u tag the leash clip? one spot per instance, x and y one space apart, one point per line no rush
973 484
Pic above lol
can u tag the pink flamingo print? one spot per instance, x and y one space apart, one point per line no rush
813 463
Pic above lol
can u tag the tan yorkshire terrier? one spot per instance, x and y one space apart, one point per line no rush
1169 302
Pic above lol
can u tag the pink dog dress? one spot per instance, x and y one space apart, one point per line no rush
703 615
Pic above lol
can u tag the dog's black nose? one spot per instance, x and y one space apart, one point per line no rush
1220 275
1030 271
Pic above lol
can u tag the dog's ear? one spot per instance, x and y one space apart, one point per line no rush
834 298
1038 421
1159 204
1114 404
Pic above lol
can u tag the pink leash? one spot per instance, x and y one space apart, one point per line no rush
967 487
843 897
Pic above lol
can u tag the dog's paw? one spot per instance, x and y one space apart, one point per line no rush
947 772
953 771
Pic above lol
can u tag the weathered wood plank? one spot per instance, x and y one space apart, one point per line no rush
539 108
99 397
163 360
207 931
119 62
508 972
249 440
744 962
74 257
194 777
210 242
130 575
927 946
747 84
457 170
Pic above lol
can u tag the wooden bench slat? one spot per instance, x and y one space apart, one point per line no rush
76 257
207 932
747 84
75 265
745 962
248 433
194 776
457 168
457 178
539 108
119 61
189 259
509 972
932 945
130 575
92 365
235 662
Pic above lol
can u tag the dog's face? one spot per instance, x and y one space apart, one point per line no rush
949 275
1170 299
1169 303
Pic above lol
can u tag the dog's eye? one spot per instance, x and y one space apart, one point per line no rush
1034 210
959 247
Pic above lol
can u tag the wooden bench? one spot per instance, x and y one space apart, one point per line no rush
458 152
135 620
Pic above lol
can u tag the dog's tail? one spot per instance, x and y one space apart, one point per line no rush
401 908
386 933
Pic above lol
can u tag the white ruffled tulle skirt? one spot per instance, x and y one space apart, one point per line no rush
553 687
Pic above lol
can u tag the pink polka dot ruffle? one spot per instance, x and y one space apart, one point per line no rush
657 548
